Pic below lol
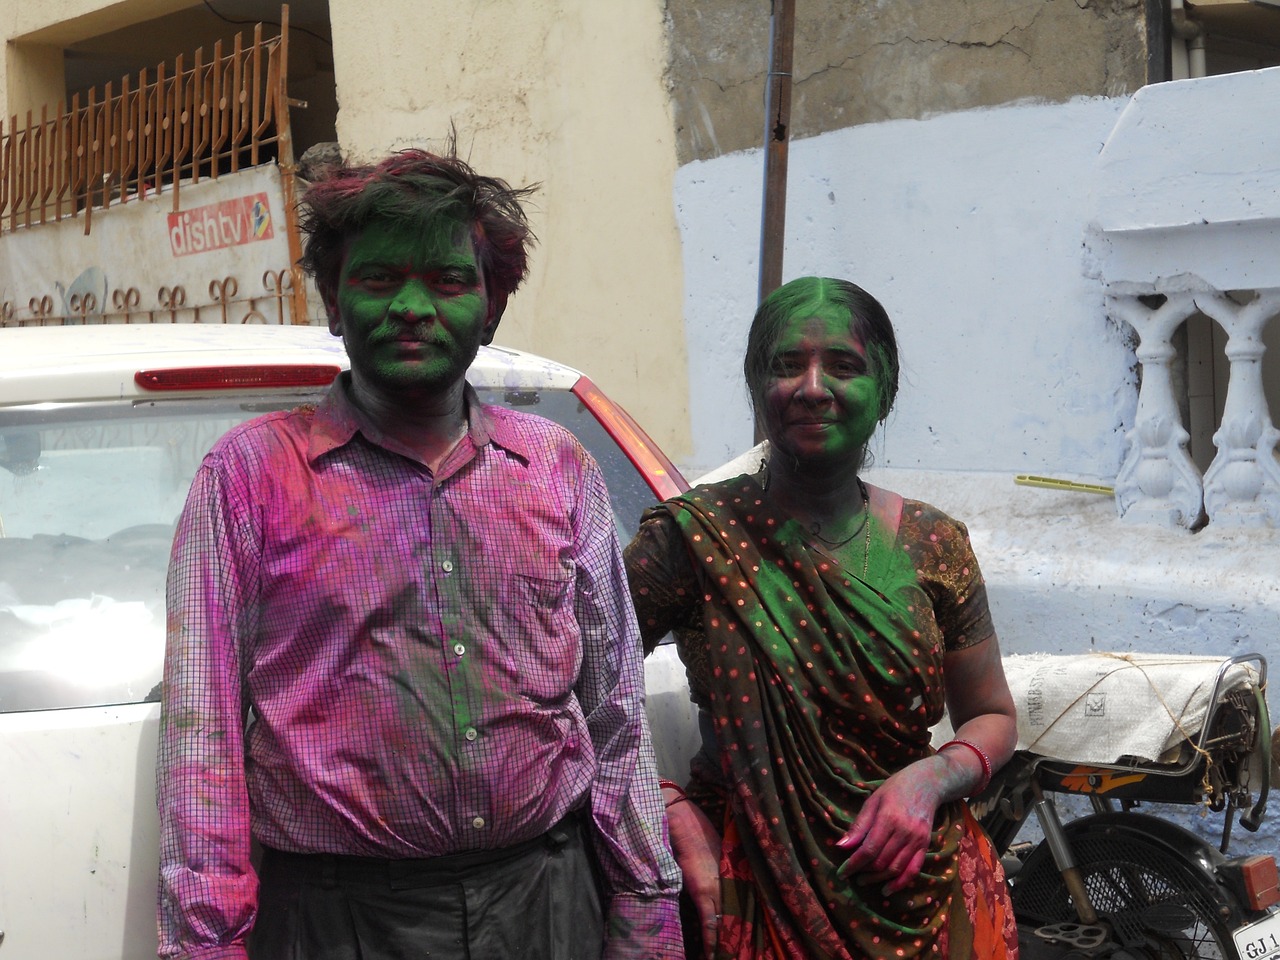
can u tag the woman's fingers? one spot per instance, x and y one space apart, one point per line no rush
862 825
709 915
696 845
891 847
890 835
897 873
908 874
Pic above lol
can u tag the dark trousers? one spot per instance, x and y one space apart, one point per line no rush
535 901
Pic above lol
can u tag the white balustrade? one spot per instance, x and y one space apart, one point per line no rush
1242 485
1158 481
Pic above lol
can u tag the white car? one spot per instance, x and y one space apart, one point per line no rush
101 430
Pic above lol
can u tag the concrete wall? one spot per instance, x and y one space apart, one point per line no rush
867 62
36 33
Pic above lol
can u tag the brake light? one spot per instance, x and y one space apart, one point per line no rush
269 375
1254 879
659 472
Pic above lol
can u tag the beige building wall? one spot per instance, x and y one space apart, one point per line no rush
569 94
36 33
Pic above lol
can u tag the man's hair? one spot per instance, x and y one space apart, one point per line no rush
418 190
802 298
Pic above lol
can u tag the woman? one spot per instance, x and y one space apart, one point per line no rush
824 624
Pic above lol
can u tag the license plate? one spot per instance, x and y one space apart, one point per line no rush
1259 940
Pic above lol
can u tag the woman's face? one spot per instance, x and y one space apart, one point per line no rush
821 400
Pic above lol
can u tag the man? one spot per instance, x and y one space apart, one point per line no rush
418 603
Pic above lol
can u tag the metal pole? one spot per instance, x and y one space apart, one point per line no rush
777 137
288 179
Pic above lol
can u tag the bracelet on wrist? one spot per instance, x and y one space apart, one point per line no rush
672 785
982 758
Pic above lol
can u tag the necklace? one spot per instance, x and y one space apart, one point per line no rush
815 527
865 526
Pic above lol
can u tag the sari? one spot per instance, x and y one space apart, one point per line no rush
820 682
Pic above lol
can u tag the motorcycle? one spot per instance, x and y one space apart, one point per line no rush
1122 883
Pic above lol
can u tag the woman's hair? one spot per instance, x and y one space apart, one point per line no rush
804 297
417 190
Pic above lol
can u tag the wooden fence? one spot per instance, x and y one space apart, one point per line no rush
200 120
158 131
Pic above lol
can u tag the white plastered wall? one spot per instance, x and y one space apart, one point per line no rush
968 228
971 228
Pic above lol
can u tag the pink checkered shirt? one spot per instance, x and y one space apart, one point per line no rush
432 665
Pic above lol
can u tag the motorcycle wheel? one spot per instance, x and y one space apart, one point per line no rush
1150 881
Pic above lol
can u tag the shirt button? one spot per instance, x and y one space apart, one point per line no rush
459 649
447 566
471 733
478 822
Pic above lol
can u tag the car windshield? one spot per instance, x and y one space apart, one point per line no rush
89 495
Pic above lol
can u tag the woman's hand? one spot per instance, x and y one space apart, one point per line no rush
890 835
696 845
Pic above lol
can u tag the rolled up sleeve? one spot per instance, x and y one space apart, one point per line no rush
641 879
208 889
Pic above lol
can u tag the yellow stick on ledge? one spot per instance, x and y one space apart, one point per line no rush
1027 480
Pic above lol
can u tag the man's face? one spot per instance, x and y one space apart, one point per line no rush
411 308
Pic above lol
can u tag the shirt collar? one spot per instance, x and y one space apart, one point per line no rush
338 419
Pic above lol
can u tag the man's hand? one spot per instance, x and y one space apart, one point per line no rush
696 845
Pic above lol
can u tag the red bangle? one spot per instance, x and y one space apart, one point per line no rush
982 758
670 785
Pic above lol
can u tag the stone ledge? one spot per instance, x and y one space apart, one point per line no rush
1066 575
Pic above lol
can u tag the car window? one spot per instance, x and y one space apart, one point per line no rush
628 490
89 495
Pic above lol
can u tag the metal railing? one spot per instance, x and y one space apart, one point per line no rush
226 303
153 134
159 132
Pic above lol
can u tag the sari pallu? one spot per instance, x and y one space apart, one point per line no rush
820 684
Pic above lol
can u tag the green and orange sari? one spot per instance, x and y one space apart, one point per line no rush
820 682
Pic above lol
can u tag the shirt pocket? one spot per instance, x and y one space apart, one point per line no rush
542 638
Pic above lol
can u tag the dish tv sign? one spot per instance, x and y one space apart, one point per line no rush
230 223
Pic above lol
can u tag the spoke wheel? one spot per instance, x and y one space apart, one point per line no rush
1143 877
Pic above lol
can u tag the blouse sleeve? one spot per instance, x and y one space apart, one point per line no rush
664 588
948 572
